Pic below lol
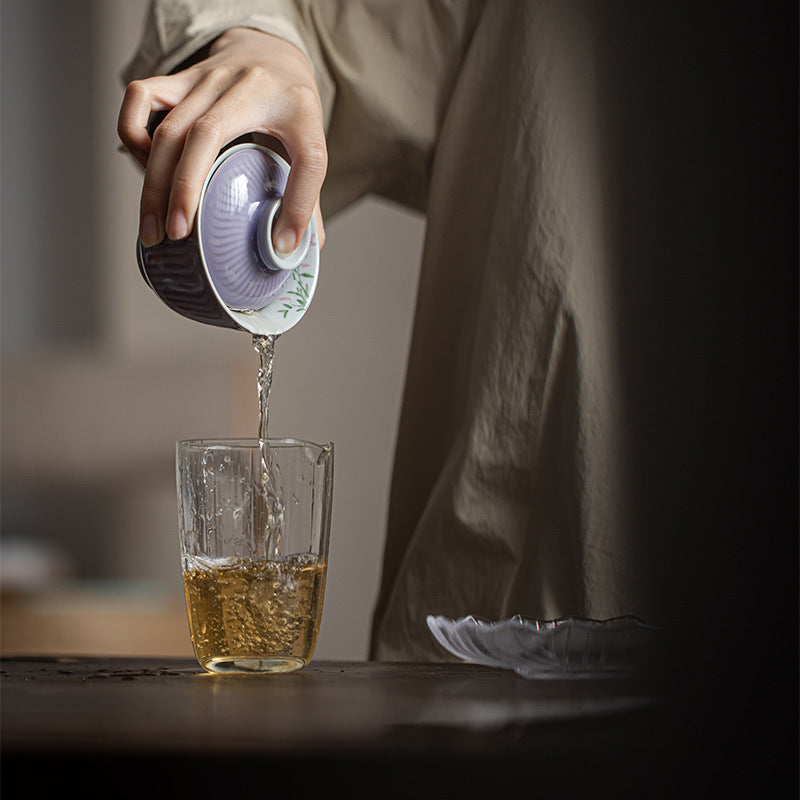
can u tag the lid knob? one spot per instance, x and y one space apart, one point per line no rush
272 259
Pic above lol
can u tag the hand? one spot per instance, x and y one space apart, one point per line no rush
250 82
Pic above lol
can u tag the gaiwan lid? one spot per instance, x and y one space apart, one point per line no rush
263 291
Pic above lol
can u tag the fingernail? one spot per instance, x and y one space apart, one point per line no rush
178 227
285 242
149 233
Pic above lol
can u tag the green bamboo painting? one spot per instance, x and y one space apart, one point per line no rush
299 294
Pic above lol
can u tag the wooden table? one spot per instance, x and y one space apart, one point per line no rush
123 727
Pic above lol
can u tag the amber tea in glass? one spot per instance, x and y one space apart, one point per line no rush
254 522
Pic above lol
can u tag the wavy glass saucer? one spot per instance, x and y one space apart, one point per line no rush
569 647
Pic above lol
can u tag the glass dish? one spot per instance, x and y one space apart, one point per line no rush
572 646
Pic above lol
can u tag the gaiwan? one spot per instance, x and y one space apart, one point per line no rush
226 272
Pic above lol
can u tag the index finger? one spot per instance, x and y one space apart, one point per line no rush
303 186
142 98
299 128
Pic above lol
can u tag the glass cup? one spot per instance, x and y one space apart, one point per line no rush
254 524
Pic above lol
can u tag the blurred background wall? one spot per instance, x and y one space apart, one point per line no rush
99 379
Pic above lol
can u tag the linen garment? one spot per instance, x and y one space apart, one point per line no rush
507 493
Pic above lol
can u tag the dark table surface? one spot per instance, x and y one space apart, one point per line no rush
128 725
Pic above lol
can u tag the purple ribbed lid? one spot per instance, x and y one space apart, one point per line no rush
233 212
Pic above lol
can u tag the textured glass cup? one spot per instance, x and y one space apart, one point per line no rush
254 524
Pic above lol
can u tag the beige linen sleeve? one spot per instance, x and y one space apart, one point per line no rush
384 70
